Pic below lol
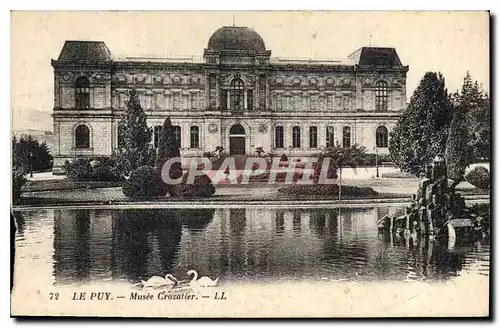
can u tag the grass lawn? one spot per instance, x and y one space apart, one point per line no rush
66 184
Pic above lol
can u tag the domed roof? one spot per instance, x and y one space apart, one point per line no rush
236 38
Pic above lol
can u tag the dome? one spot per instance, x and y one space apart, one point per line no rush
236 38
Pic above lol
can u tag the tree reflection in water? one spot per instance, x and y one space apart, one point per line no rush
120 244
244 244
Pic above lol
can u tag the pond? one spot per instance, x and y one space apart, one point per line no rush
238 245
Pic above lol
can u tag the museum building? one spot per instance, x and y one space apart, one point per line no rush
236 96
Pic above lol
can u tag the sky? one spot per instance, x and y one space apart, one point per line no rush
450 42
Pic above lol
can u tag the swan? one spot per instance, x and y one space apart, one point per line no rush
157 281
202 282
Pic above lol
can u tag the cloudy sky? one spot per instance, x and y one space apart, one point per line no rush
450 42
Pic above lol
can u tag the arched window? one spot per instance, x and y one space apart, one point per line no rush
279 137
313 137
382 137
237 129
156 135
195 137
236 92
82 136
82 92
121 136
330 137
381 96
177 135
346 137
296 137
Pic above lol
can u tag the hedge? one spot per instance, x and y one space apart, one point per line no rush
331 190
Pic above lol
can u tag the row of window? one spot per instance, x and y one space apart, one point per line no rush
381 135
82 136
234 97
194 136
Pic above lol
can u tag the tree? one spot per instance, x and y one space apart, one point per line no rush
457 154
29 153
167 149
341 157
136 135
420 133
476 105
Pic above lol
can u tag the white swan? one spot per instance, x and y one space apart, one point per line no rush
157 281
202 282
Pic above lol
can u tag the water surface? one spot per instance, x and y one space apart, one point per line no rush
245 245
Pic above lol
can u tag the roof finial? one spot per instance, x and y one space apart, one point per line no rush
370 42
233 19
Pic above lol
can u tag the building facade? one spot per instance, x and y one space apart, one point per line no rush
236 96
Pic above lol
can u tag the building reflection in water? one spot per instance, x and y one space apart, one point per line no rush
241 244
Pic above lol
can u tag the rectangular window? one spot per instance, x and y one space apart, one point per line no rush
158 100
195 137
156 135
296 102
279 102
314 102
330 137
286 103
250 99
346 137
177 135
177 100
223 99
123 100
346 102
212 79
262 91
329 102
278 137
296 137
194 100
313 137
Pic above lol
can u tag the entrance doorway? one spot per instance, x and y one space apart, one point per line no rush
237 140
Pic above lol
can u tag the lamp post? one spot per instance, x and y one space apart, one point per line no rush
290 152
31 164
376 161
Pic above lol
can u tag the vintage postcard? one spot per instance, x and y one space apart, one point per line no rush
250 164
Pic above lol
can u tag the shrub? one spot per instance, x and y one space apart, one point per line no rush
144 182
202 187
93 169
479 177
80 169
264 177
18 180
331 190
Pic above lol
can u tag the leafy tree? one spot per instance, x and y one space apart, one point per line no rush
136 136
341 157
421 131
167 149
476 105
28 153
457 155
